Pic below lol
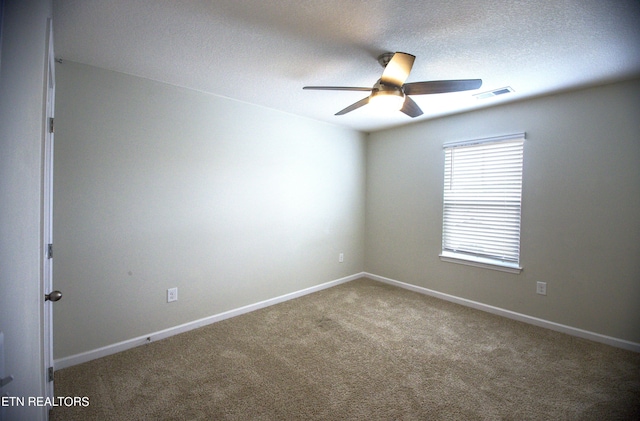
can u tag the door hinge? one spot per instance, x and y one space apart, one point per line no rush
50 371
51 125
50 251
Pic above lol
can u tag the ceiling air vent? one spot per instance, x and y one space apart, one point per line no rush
495 92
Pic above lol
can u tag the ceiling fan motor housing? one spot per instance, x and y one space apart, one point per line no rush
386 89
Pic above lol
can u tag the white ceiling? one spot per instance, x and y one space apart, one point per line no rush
264 52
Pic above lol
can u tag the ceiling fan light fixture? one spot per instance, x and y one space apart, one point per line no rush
388 100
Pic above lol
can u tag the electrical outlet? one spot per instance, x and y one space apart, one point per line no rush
172 294
541 288
341 257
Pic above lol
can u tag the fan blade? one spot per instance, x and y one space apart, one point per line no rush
397 70
410 108
362 102
337 88
441 86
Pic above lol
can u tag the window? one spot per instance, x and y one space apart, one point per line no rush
482 200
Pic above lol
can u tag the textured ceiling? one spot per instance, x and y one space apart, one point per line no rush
264 52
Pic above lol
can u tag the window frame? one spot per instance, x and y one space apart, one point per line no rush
478 259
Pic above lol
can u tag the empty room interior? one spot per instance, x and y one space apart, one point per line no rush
219 164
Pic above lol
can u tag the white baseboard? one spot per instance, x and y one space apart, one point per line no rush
596 337
162 334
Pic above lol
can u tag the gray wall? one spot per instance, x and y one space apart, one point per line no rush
580 215
158 186
22 83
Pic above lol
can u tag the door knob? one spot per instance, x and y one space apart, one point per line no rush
53 296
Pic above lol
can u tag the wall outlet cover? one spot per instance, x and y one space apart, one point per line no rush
541 288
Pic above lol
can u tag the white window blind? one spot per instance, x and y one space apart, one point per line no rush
482 200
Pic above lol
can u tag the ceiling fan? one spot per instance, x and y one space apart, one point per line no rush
392 93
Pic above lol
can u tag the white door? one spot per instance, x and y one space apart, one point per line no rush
49 296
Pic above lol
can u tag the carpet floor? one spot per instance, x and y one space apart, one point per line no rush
359 351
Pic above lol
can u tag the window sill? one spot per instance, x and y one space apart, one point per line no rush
479 262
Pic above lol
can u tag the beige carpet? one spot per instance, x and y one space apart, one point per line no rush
360 351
